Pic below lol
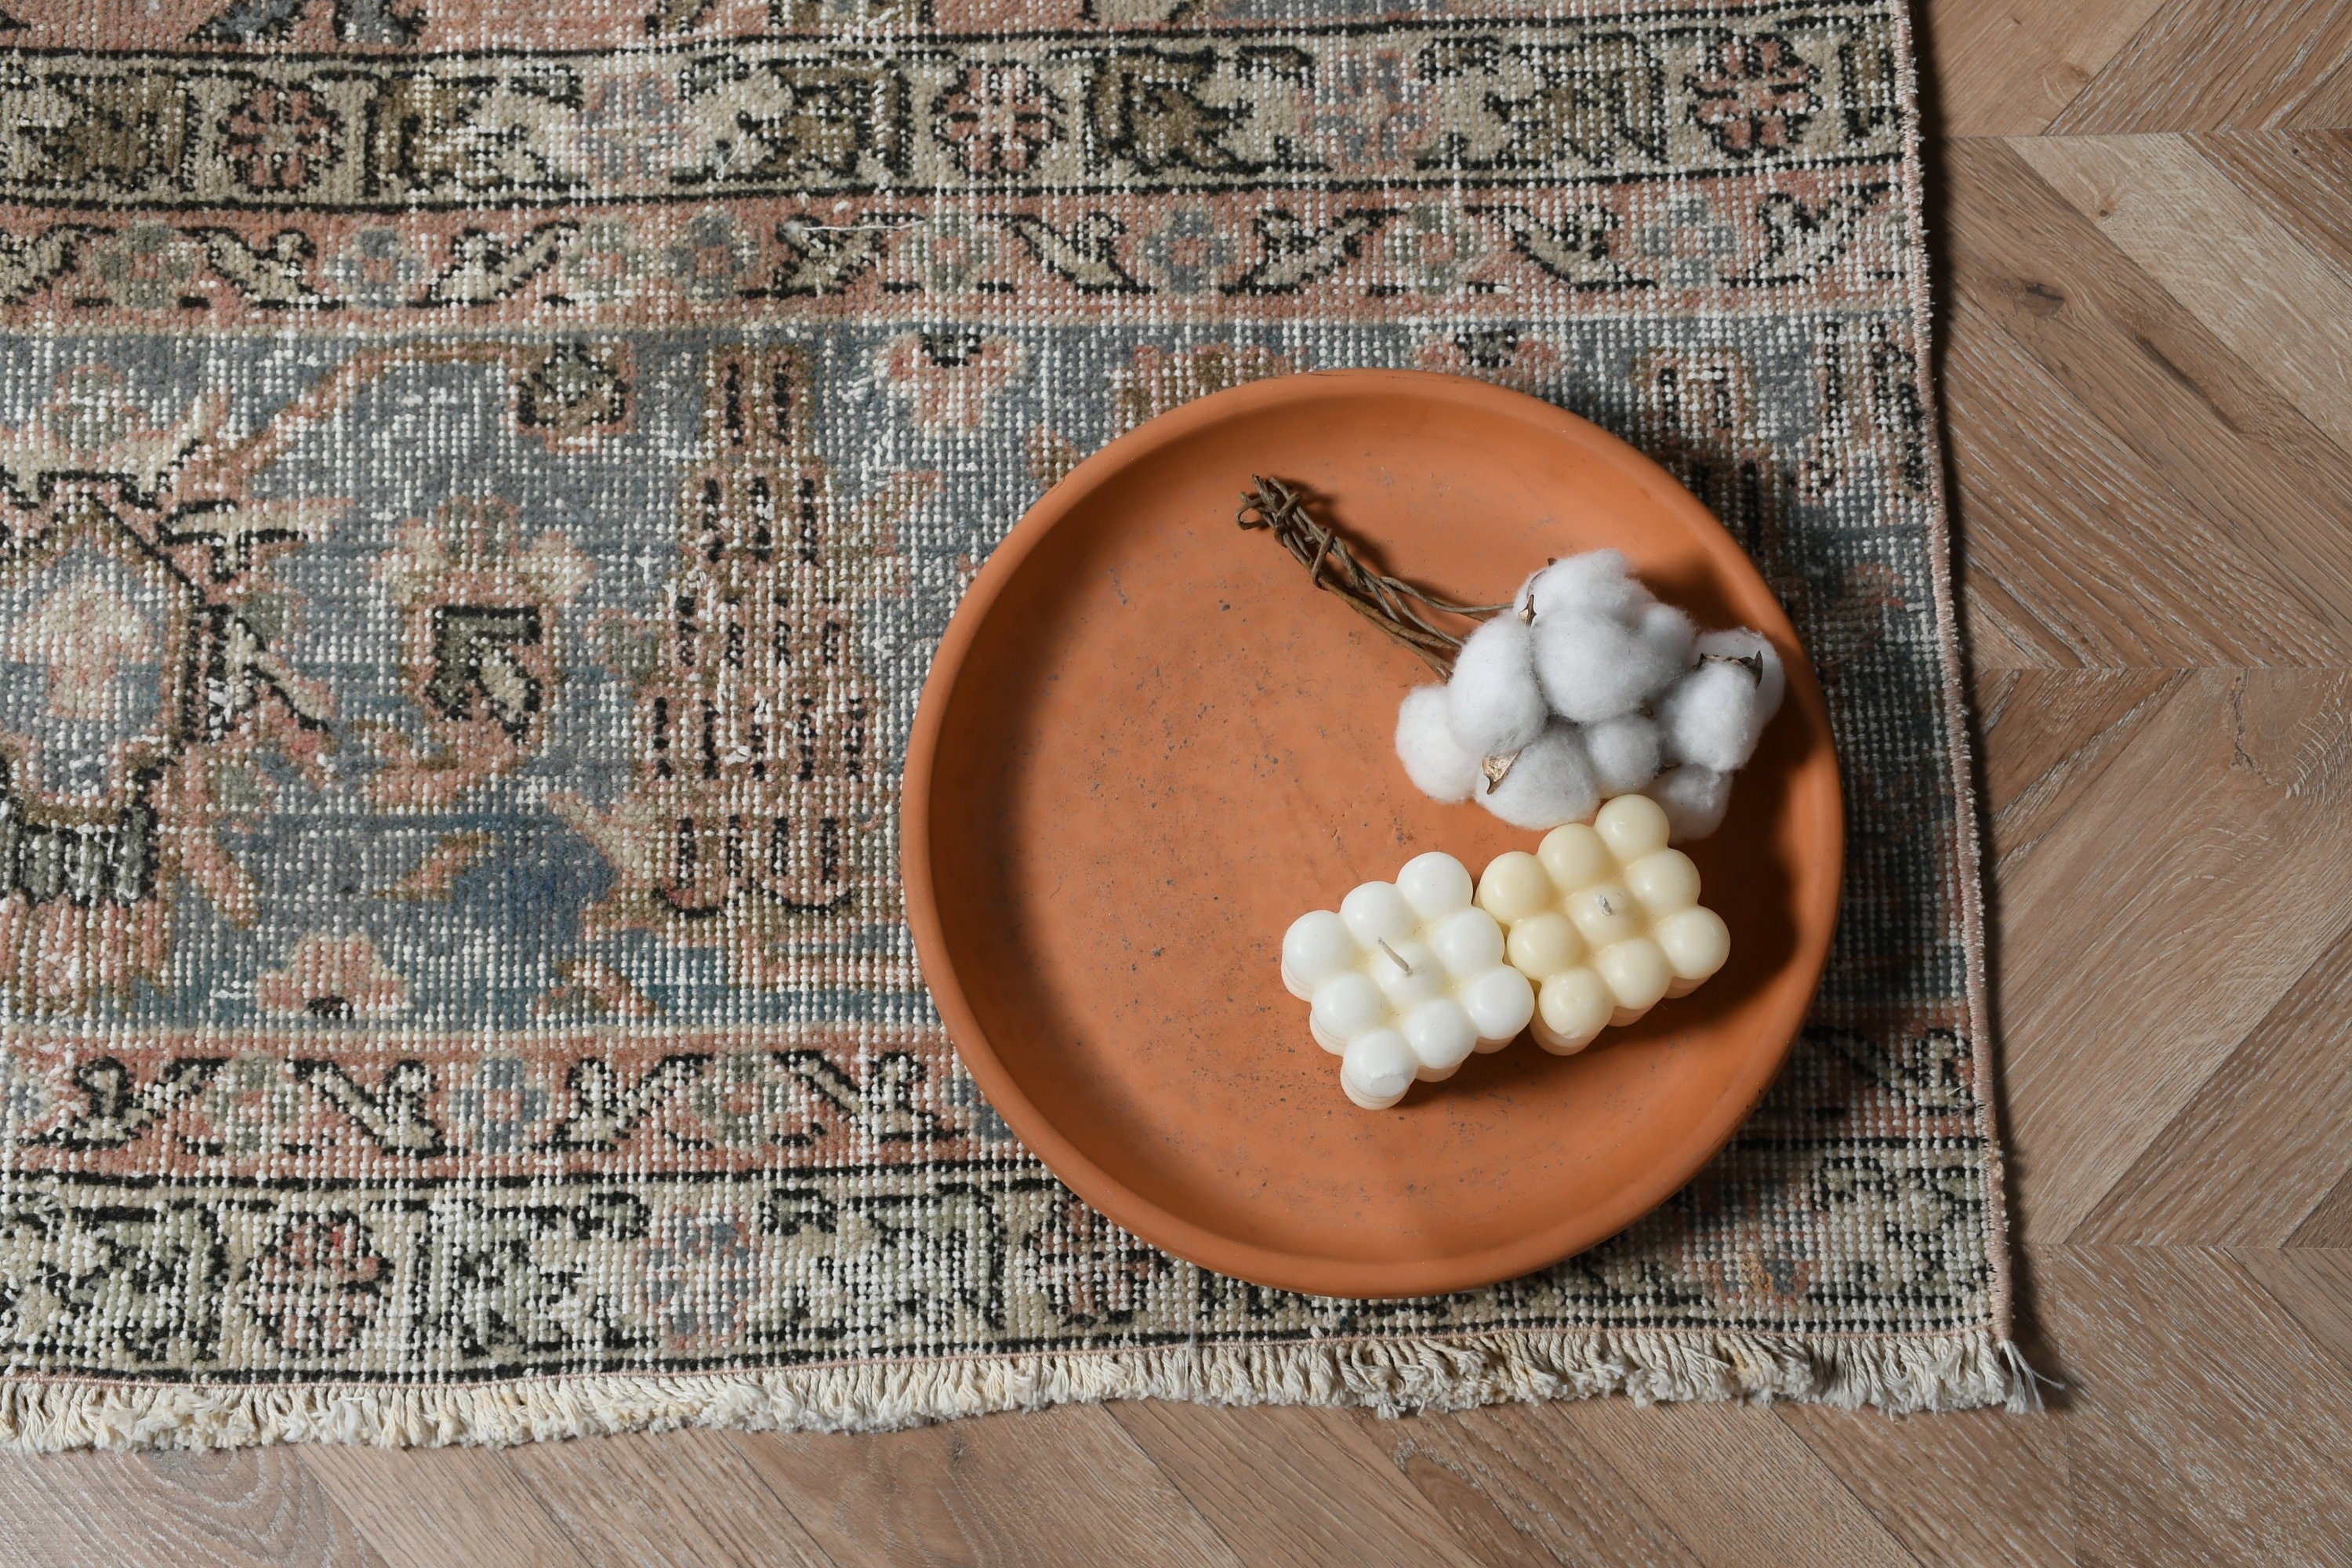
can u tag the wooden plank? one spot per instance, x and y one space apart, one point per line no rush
2198 65
1059 1486
433 1507
2313 1284
2163 917
2109 563
692 1498
2237 454
2007 67
2046 737
1514 1486
2278 305
1293 1485
2301 179
2202 1424
1981 1486
2262 1142
237 1508
1999 632
1741 1489
2328 107
2329 1224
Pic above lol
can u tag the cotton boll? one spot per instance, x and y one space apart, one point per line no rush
1772 680
1667 638
1694 799
1624 753
1596 666
1595 582
1550 783
1493 700
1440 766
1712 716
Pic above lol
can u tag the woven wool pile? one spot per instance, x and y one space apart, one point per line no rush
480 485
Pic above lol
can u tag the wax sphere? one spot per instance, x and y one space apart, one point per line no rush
1696 944
1637 973
1468 943
1377 911
1434 885
1575 856
1408 972
1345 1007
1665 880
1632 825
1317 946
1573 1006
1606 913
1499 1002
1543 944
1515 887
1377 1068
1441 1035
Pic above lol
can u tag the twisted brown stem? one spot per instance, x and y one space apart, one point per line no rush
1331 565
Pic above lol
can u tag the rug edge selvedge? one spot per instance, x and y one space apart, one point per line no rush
1959 746
1901 1374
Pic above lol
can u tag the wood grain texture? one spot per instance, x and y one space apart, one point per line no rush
1979 1489
1060 1486
2142 216
2199 66
255 1508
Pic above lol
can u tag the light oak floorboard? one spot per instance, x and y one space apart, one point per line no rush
2205 1424
2247 276
1982 1488
2233 794
2200 65
2009 68
611 1500
1294 1486
244 1508
1060 1486
429 1507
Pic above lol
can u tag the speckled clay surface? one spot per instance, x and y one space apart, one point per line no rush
1147 746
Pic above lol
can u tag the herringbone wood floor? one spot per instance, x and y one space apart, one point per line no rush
2144 228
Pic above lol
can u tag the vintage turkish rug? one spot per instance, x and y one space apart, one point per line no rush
479 484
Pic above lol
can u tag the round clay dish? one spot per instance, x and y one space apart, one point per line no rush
1146 746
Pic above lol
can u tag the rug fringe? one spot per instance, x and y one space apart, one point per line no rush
1904 1373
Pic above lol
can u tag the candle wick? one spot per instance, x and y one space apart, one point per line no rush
1392 953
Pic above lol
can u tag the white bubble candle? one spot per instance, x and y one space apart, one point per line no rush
1605 919
1405 981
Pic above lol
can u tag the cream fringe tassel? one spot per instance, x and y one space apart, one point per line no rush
1898 1372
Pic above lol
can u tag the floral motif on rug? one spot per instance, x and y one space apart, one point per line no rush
480 485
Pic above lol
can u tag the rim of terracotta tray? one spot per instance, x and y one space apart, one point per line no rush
1156 1224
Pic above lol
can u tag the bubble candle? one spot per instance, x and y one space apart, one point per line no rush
1405 980
1605 919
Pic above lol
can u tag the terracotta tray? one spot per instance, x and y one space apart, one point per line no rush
1146 746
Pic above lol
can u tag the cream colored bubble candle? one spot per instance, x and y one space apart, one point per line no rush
1405 981
1605 921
